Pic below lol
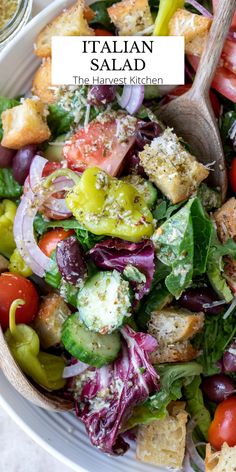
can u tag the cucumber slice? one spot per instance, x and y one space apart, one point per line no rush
92 348
103 301
54 150
144 187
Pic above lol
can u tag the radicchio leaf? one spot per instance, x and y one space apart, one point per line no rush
117 254
105 397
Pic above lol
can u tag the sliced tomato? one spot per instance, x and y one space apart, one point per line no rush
224 80
102 32
50 167
181 89
50 240
97 145
229 56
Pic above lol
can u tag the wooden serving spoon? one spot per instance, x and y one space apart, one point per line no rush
13 373
191 114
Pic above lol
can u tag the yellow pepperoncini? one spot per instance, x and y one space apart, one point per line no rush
167 8
7 215
108 206
17 265
45 369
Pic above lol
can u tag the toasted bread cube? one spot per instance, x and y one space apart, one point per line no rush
173 328
197 45
189 25
130 16
176 352
71 22
173 169
225 219
25 124
172 325
221 461
49 320
162 442
42 82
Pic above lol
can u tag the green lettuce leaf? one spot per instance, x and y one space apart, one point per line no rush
196 407
182 243
172 379
9 188
213 340
215 265
59 120
5 104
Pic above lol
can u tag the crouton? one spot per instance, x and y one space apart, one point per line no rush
25 124
4 264
189 25
42 83
197 45
162 442
173 169
230 273
50 318
173 328
130 16
221 461
70 22
225 219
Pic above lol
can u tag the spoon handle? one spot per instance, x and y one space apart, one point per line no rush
211 55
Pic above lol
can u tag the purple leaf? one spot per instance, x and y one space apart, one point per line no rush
106 397
117 254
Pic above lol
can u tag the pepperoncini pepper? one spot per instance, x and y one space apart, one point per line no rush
7 215
167 8
45 369
105 205
18 266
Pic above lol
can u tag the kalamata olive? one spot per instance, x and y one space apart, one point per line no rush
132 165
22 161
194 299
101 94
70 260
229 358
217 387
6 156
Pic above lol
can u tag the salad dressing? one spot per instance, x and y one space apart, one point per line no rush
8 9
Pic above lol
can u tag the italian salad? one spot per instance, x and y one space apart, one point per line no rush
118 259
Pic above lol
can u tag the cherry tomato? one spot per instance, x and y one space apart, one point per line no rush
14 286
97 145
224 80
181 89
102 32
232 175
223 426
50 167
50 240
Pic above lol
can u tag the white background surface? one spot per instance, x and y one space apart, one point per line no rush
19 453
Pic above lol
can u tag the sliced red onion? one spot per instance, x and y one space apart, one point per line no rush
232 131
124 99
57 206
200 8
36 171
131 98
74 369
187 464
232 36
191 448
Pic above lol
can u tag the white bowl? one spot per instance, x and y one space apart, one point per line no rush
61 434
